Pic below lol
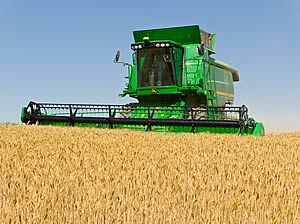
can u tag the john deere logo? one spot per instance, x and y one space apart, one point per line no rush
153 91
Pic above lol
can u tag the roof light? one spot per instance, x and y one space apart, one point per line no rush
167 45
162 45
146 39
157 45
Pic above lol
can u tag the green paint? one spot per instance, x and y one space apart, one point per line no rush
23 120
181 35
259 130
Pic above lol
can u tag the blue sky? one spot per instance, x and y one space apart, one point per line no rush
62 51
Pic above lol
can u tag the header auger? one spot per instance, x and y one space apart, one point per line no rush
178 85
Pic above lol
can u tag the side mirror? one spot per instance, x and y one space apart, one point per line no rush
117 57
117 60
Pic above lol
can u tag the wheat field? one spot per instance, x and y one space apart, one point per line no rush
80 175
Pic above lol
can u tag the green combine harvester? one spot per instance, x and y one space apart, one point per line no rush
178 85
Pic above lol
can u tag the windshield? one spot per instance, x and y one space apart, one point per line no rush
155 67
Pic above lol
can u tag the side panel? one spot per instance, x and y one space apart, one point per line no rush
224 83
192 66
221 82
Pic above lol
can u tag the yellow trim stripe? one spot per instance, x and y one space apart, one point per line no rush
224 94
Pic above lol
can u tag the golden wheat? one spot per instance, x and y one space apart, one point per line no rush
77 175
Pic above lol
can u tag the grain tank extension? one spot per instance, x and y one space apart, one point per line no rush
178 85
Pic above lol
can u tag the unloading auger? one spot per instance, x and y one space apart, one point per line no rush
178 85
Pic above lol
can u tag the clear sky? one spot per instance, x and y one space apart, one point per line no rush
62 50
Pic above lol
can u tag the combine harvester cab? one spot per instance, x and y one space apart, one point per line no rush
178 85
